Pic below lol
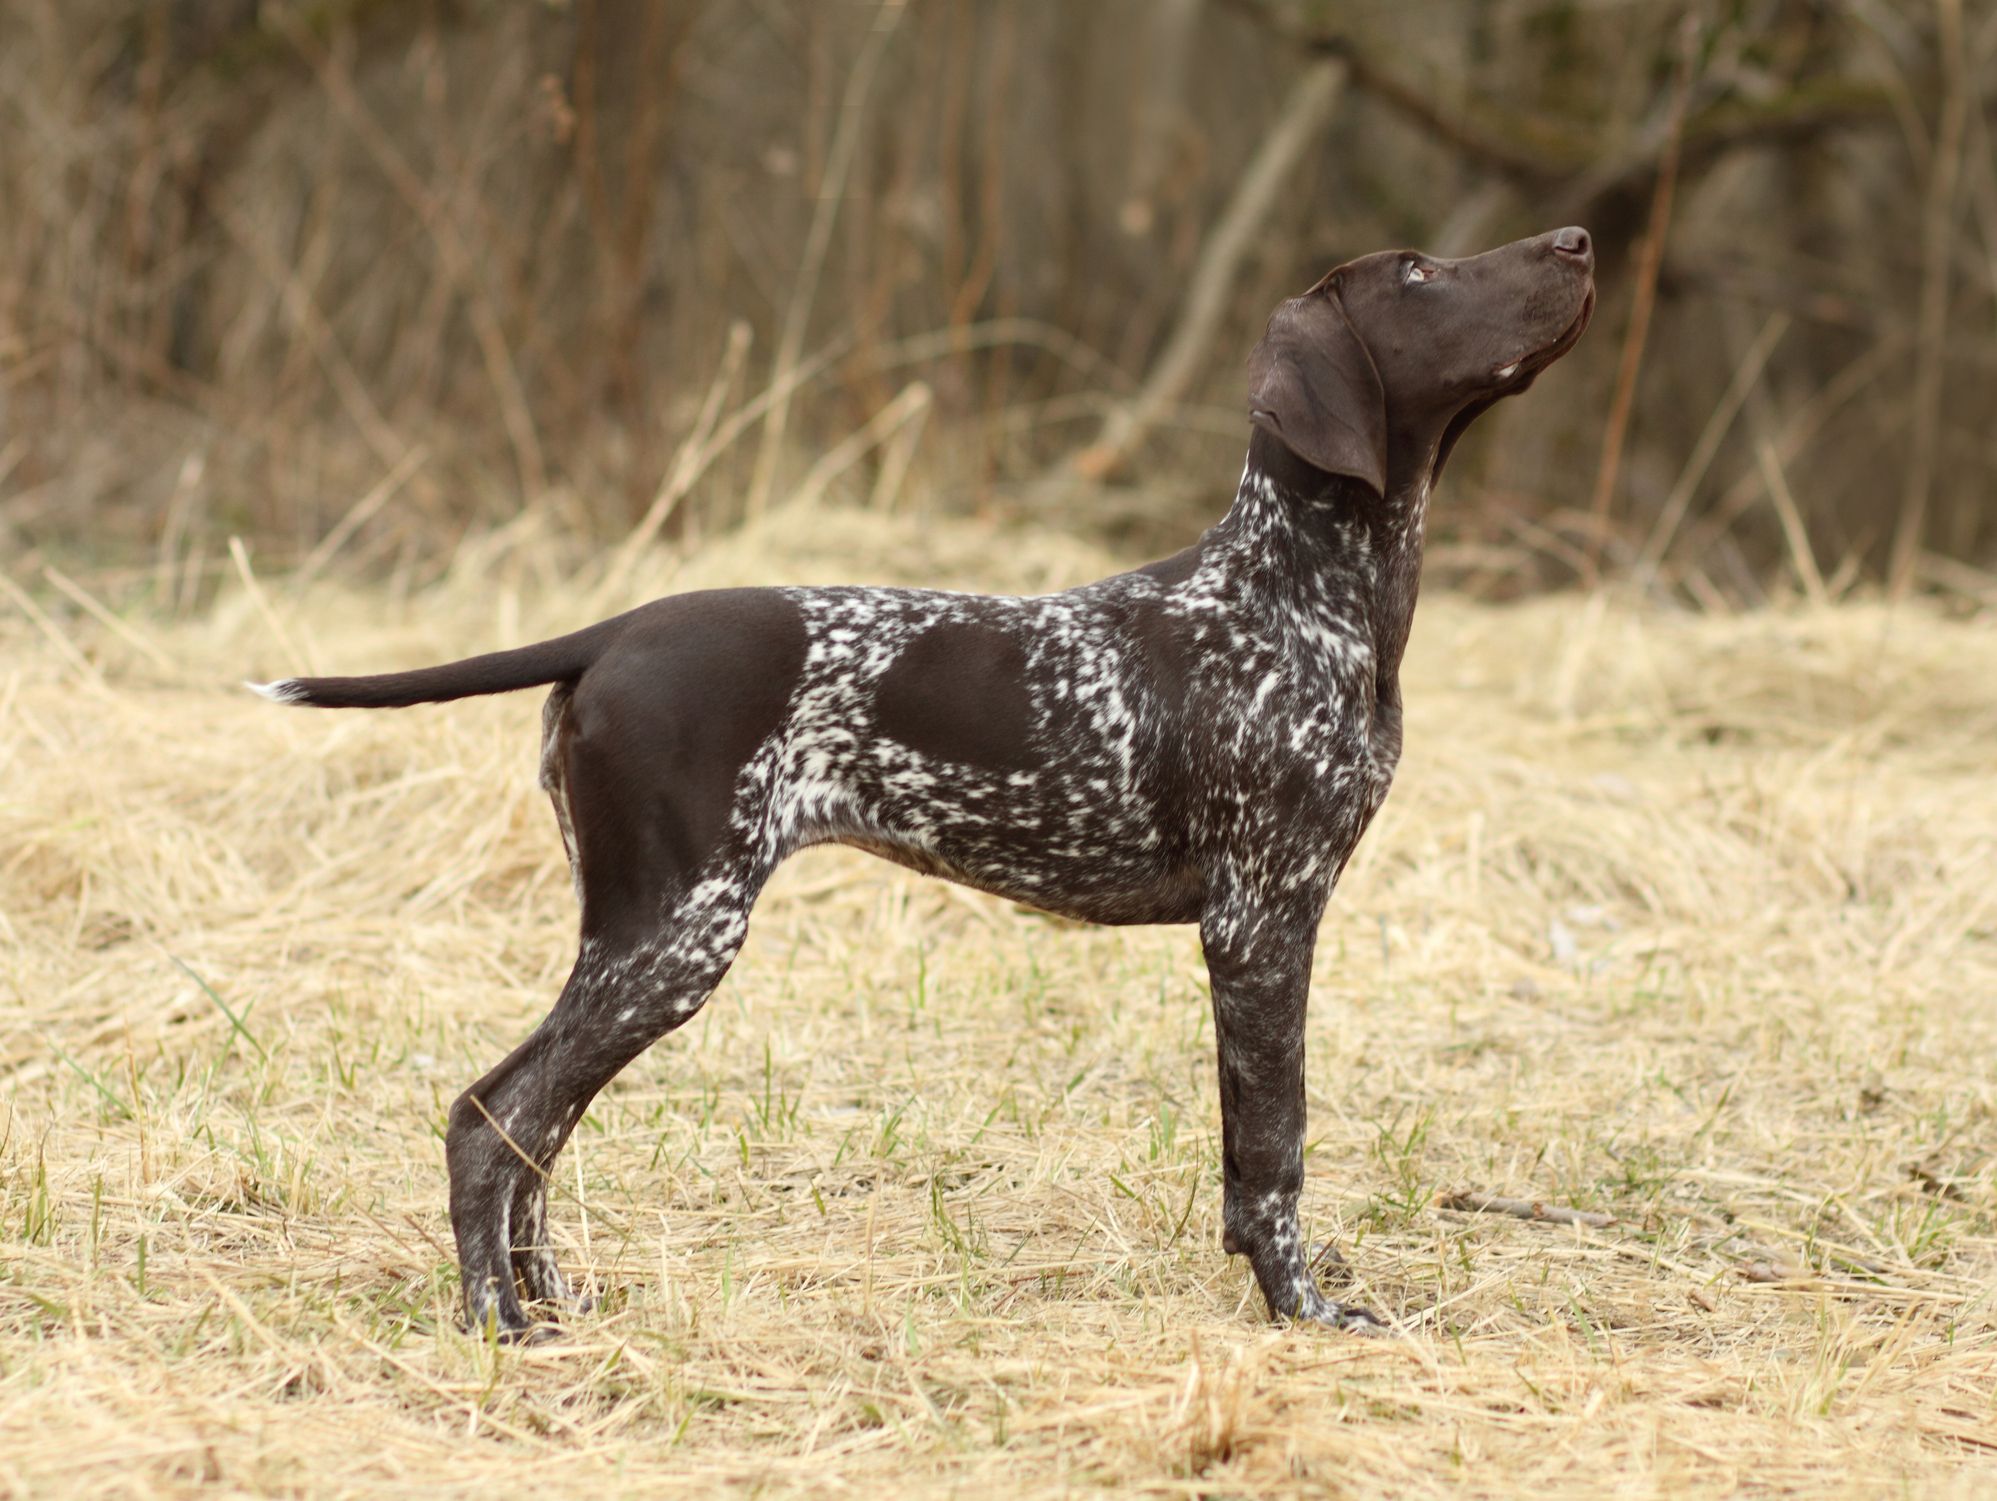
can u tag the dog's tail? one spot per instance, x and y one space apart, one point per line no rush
561 660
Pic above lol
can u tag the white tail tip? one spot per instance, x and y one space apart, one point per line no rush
283 691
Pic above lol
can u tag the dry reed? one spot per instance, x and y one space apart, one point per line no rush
1682 920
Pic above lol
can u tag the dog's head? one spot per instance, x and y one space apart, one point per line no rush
1399 352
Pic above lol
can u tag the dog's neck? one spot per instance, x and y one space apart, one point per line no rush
1324 542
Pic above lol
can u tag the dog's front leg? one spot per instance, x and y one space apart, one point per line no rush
1258 952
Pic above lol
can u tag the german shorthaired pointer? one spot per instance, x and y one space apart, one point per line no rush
1202 740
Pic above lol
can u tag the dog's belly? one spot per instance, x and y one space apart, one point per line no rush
1099 886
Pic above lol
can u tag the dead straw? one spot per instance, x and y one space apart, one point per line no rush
1678 920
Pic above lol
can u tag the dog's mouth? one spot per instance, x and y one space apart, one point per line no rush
1515 375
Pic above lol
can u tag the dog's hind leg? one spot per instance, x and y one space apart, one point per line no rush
534 1263
665 888
508 1128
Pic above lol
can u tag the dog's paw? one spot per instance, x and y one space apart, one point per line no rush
1353 1319
540 1333
1350 1318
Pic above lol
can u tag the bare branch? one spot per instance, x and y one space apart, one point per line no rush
1525 1209
1536 152
1302 120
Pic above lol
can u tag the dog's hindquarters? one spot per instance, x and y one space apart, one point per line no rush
650 762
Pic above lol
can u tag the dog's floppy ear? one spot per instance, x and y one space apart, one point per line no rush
1312 384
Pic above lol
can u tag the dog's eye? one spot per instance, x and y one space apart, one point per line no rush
1417 272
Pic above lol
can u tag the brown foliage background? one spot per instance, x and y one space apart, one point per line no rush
401 269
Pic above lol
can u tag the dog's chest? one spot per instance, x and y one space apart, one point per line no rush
1293 772
1302 735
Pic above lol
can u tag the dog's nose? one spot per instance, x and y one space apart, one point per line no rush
1573 241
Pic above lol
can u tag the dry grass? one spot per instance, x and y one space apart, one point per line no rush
1682 919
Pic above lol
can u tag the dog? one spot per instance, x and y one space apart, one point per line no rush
1202 740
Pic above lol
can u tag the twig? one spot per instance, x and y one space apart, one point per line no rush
453 254
695 457
1793 531
299 306
897 454
1954 576
547 1178
1944 170
1165 51
1650 258
832 191
1417 103
1799 114
908 407
1777 1269
66 648
102 614
359 514
300 660
1525 1209
1300 124
1672 514
1797 431
1542 155
687 466
173 526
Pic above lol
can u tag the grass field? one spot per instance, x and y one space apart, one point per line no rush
1686 921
